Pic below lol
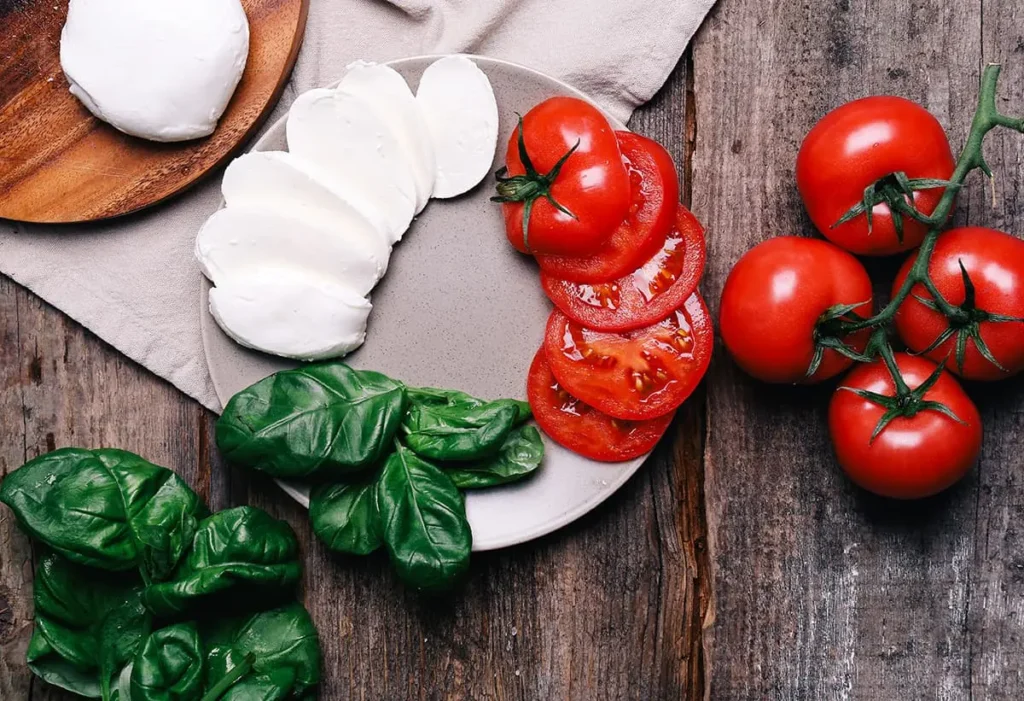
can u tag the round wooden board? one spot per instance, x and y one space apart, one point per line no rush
59 164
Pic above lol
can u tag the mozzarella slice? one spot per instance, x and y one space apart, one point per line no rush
290 314
281 182
345 139
389 95
462 115
160 69
239 239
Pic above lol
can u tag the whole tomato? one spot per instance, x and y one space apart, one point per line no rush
591 186
863 143
994 263
913 456
774 298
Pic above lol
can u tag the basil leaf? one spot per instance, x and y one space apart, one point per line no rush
105 508
520 454
169 665
88 626
269 655
424 522
124 684
345 516
317 421
239 557
433 397
459 432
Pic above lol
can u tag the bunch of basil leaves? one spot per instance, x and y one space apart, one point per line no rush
387 463
142 595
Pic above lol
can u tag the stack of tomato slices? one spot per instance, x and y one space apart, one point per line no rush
630 338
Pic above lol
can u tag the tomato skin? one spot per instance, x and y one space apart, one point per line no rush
853 147
773 298
995 263
583 429
593 184
654 196
634 375
913 457
630 302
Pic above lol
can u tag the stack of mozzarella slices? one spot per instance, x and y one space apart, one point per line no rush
306 234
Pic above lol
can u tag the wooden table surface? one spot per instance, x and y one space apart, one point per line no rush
819 592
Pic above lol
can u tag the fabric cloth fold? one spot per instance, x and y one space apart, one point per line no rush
135 283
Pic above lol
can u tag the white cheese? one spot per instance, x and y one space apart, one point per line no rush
462 115
351 145
290 314
387 92
163 70
284 183
236 240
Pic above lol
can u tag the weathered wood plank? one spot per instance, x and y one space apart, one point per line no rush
821 591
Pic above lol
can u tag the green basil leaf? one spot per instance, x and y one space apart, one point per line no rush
88 626
169 665
124 684
105 508
433 397
319 421
520 455
239 557
271 655
345 516
459 432
424 522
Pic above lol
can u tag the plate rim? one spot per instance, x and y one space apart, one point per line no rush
628 468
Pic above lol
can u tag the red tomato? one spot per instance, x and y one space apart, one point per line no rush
593 183
912 457
644 296
634 375
995 263
583 429
773 299
654 187
857 145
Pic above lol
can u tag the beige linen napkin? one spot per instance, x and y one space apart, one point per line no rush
135 283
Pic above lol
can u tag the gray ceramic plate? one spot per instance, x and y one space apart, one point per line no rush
459 308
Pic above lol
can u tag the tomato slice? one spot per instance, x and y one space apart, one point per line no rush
654 189
583 429
637 374
644 296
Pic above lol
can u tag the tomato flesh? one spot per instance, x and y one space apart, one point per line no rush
912 457
583 429
773 299
636 374
856 145
654 191
593 183
995 263
644 296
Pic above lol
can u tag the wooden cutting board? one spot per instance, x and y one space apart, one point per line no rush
59 164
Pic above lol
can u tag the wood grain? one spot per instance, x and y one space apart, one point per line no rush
59 164
609 608
822 592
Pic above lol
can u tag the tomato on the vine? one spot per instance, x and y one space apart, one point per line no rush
636 374
772 302
643 296
575 160
888 143
991 323
912 456
654 192
583 429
